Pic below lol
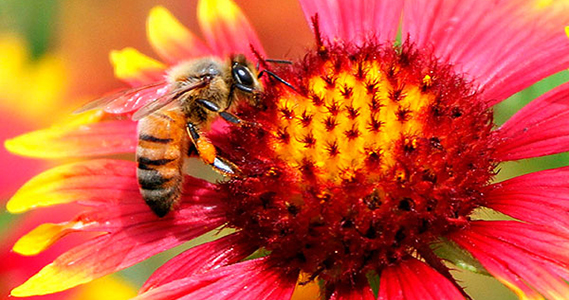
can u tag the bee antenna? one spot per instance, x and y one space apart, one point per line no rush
260 60
263 62
275 76
279 61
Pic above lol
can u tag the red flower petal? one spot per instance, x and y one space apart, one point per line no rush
112 252
104 180
355 20
203 258
226 29
504 45
540 198
85 135
413 279
540 128
135 234
252 279
170 39
522 256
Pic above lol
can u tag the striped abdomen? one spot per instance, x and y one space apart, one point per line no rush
162 146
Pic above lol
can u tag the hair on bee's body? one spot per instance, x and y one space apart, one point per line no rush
218 90
162 147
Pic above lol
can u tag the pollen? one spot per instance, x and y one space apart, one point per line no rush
361 104
376 152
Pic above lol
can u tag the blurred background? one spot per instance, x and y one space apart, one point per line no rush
54 57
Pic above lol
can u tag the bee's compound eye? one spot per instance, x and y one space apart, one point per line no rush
243 75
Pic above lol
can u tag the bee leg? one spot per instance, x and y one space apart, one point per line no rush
227 116
231 118
206 151
192 151
225 167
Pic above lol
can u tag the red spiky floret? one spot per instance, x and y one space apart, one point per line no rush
380 152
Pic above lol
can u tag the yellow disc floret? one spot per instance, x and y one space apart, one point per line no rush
348 117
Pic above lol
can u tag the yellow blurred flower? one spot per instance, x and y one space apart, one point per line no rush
34 90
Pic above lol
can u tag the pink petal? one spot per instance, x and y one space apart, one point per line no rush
112 252
199 198
252 279
111 189
87 136
540 198
523 256
504 46
104 138
355 20
226 29
540 128
353 292
86 181
413 279
134 233
203 258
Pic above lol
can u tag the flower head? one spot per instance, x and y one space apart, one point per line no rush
354 174
379 153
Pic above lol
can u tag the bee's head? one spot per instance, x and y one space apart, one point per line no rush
245 78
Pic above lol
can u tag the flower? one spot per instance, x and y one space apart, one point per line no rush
366 174
48 76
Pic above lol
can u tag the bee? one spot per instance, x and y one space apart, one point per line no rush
170 126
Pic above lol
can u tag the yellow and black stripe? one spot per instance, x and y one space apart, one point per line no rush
162 146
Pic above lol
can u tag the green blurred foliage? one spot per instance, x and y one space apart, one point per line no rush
33 19
506 109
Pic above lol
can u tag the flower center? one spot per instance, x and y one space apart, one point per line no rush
356 112
378 152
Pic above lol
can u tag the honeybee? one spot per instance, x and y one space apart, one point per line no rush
198 91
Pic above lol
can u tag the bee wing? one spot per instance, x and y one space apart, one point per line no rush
126 100
153 106
166 99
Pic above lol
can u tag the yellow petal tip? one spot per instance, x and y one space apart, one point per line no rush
43 236
128 63
43 190
11 145
47 143
163 29
210 10
48 280
13 206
